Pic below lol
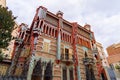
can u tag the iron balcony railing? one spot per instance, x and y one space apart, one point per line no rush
88 61
95 50
67 58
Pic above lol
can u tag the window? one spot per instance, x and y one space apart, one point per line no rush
71 74
64 74
46 45
66 50
37 71
48 71
67 73
66 53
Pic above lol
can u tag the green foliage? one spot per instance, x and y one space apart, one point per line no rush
1 56
6 26
117 67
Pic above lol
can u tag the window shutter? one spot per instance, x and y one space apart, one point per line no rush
70 53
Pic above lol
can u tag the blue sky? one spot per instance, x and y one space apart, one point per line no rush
102 15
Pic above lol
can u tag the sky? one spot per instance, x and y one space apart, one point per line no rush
102 15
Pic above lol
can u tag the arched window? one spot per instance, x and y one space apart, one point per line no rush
71 74
48 71
89 69
64 73
37 71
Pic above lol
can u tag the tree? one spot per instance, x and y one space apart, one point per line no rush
1 56
117 67
6 26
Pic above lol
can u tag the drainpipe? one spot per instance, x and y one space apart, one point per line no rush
59 14
58 46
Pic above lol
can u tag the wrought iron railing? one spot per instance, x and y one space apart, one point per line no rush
87 61
67 57
95 50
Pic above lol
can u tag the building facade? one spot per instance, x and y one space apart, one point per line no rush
54 49
113 53
3 3
102 54
114 58
4 66
102 63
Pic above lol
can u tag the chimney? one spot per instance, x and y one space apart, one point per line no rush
60 14
87 26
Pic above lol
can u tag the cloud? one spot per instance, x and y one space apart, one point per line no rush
102 15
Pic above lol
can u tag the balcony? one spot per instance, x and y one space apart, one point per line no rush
35 31
95 50
66 58
88 61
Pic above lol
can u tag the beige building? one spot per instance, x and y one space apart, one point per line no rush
102 54
3 3
114 58
9 50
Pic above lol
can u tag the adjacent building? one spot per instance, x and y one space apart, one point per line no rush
113 54
114 58
9 51
102 54
3 3
4 66
54 49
